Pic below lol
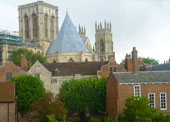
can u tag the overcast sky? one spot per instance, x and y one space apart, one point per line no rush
141 23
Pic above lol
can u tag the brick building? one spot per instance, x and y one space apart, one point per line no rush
8 108
9 69
153 85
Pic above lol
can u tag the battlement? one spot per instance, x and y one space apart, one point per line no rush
37 3
100 28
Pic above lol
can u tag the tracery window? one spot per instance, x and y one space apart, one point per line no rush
102 48
71 60
52 27
46 25
34 21
26 27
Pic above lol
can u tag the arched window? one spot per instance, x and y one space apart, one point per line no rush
54 61
34 23
52 27
86 60
102 48
46 25
71 60
26 26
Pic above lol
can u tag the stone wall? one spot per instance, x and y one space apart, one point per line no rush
66 57
52 83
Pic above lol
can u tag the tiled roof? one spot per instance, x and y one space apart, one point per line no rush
7 92
143 77
72 68
160 67
68 39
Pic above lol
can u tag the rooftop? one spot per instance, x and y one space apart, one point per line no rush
143 77
68 39
72 68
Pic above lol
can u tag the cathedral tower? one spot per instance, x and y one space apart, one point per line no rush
38 23
104 43
82 31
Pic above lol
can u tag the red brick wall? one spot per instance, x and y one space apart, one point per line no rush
126 91
112 96
105 68
10 67
24 65
4 112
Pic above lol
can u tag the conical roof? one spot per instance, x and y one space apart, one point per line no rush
68 39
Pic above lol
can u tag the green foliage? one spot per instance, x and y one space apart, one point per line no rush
29 55
161 118
48 105
38 57
29 89
108 120
150 61
122 62
99 120
85 95
52 119
137 110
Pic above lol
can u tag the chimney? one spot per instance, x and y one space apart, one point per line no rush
134 61
24 65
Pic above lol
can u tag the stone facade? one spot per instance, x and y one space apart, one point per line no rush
104 43
52 83
38 22
70 57
10 42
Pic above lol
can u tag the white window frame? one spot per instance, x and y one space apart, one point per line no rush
153 101
165 101
139 90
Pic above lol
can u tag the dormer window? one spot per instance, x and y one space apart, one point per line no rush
56 72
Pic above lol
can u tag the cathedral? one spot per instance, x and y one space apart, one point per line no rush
38 23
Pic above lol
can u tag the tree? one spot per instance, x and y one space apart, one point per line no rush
122 62
137 110
84 96
48 105
29 55
150 61
29 89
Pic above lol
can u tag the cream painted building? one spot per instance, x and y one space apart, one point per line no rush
54 74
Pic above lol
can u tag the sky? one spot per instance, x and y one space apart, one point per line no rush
144 24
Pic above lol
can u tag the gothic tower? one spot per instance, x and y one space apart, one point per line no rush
104 43
82 31
38 23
